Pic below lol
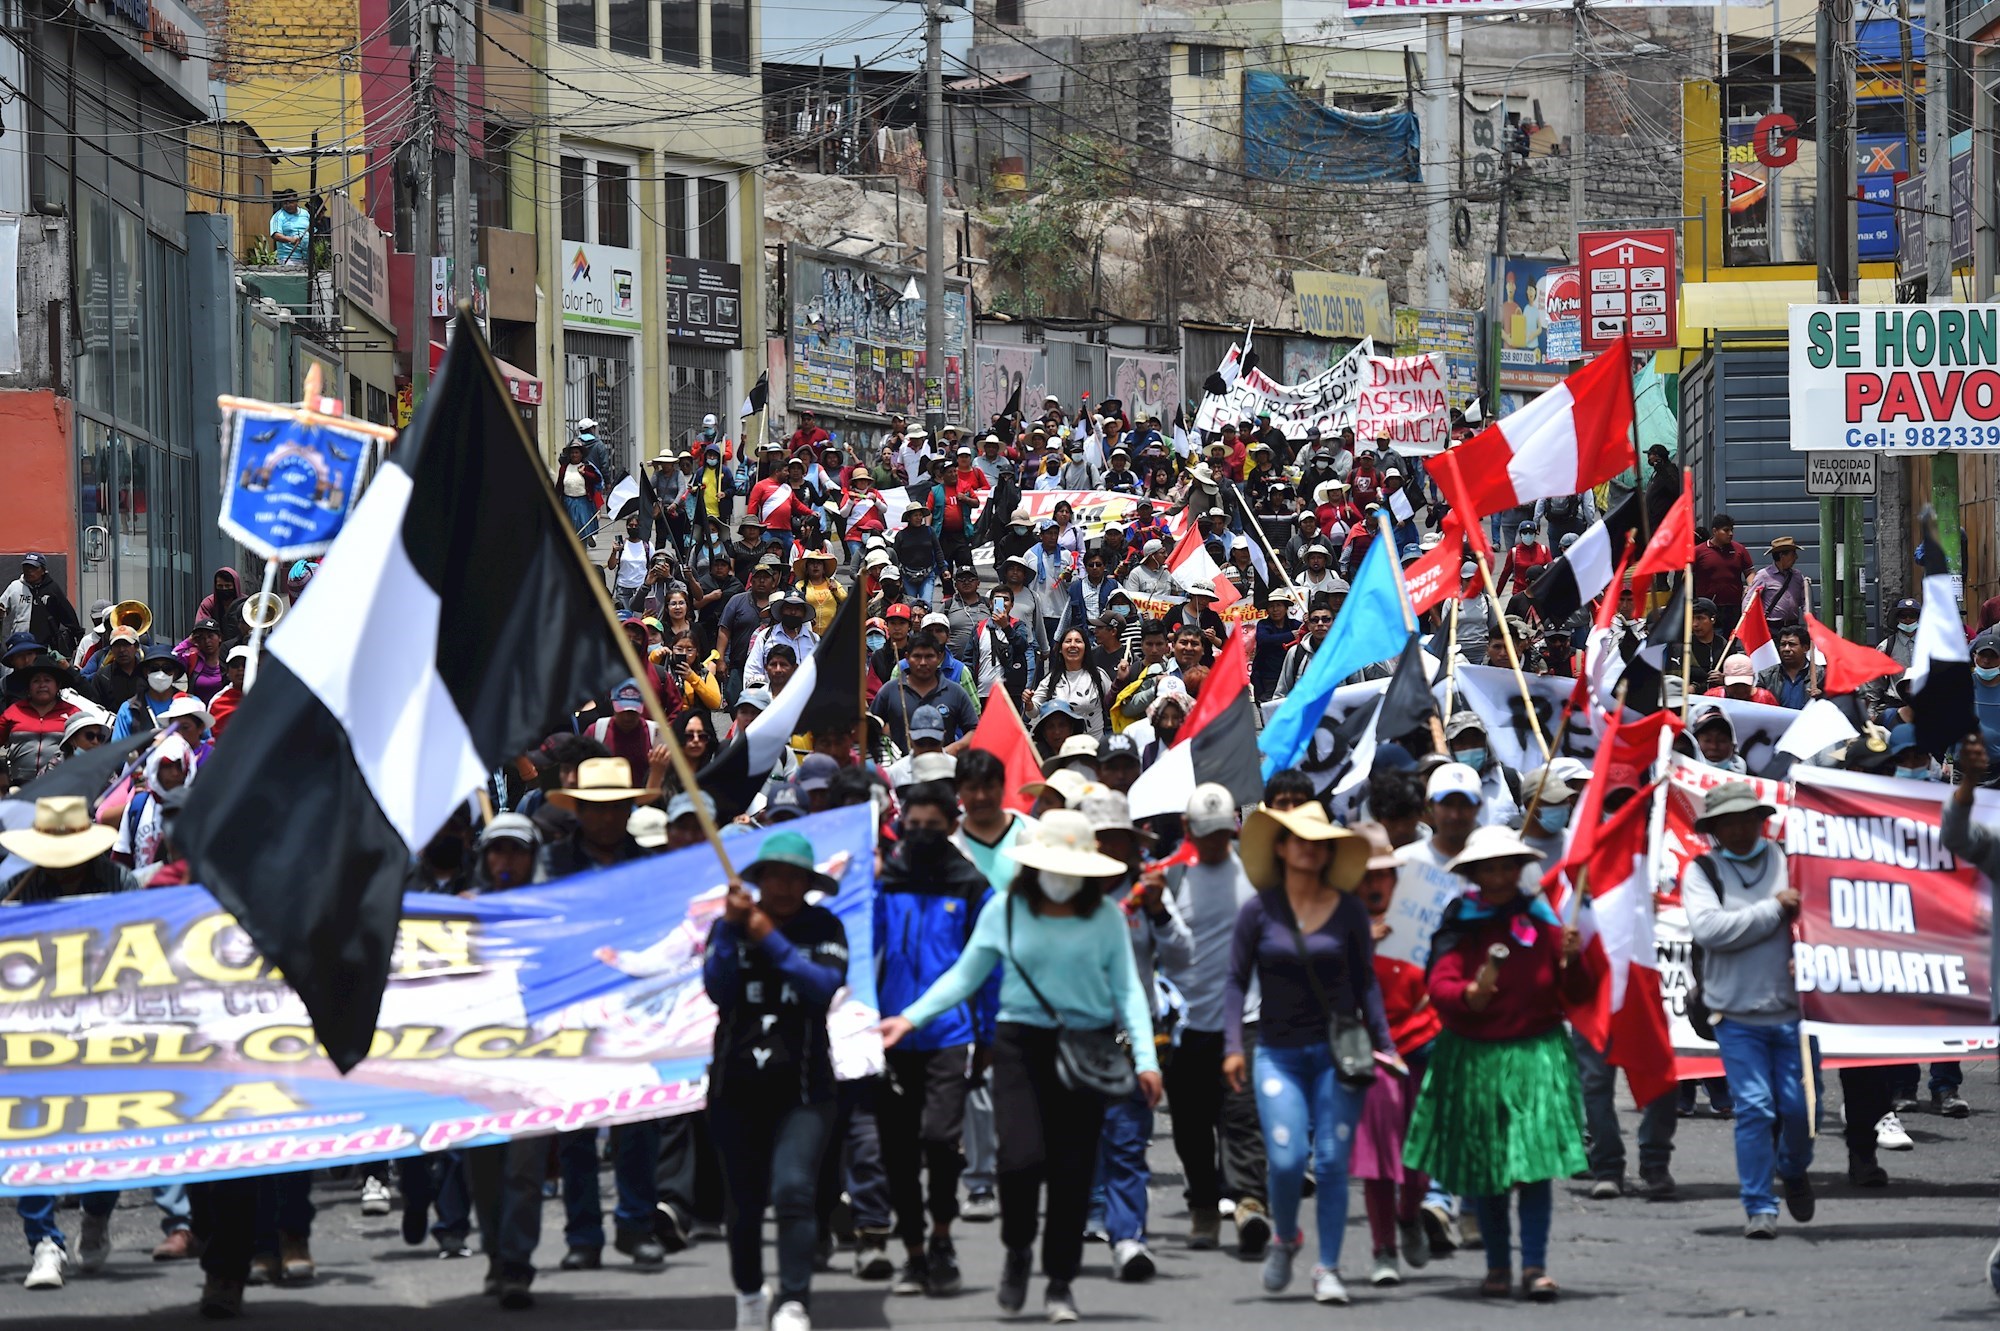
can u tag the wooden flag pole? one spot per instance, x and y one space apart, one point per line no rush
1687 643
1535 800
1513 657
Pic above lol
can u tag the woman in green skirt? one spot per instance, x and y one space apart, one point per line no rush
1500 1110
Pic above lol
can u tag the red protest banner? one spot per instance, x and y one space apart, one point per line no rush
1688 783
1893 928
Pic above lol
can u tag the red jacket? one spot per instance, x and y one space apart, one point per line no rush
1413 1019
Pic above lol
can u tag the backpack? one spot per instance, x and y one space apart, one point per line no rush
1698 1015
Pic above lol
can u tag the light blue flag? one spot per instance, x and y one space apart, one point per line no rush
1369 629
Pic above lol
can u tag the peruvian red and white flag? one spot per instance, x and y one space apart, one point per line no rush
1627 1015
1575 436
1755 634
1193 566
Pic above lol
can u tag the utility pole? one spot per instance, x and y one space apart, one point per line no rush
1834 241
423 228
1892 473
461 161
1937 245
1578 117
1437 163
934 238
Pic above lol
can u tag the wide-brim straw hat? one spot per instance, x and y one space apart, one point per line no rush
599 781
1064 842
1258 846
1492 843
63 836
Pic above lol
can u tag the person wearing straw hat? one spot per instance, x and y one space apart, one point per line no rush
1740 908
1068 968
1500 1108
1305 940
772 967
68 854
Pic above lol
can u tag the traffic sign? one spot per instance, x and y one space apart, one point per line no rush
1631 286
1840 474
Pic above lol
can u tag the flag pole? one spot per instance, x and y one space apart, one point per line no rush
1451 657
1687 642
654 711
1513 656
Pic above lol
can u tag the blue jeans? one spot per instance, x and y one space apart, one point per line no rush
38 1215
1118 1201
1945 1077
1766 1079
635 1150
1495 1227
1302 1105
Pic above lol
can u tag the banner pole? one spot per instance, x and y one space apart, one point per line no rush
1513 657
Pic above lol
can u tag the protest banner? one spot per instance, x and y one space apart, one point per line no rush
1325 402
1403 398
147 1042
1094 509
291 474
1895 378
1423 890
1688 782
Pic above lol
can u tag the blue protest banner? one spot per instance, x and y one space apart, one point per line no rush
290 477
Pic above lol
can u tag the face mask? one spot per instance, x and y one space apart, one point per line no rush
1748 857
159 681
924 844
1914 773
1060 887
1986 674
1473 758
1906 629
876 642
1553 817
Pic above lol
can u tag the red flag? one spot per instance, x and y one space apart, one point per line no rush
1436 578
1849 665
1444 470
1624 755
1754 633
1571 438
1191 563
1001 734
1672 546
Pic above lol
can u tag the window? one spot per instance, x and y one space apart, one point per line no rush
729 35
676 218
575 186
576 21
401 31
712 216
680 32
614 205
493 176
505 6
628 28
1007 13
1205 62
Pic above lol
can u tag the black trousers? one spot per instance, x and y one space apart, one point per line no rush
223 1214
770 1161
1865 1092
1216 1132
688 1178
1048 1136
921 1115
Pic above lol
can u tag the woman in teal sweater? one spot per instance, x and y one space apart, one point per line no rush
1079 975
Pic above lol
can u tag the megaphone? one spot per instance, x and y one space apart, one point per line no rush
262 610
134 615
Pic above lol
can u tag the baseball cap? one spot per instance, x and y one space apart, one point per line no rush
1464 723
784 805
1210 809
124 633
647 825
1454 779
1988 641
816 772
934 620
238 654
1152 547
511 827
682 805
1117 746
33 561
627 697
1903 738
927 723
1704 606
1736 669
793 598
757 695
933 767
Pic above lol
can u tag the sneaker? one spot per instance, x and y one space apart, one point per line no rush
1015 1268
1441 1228
177 1246
980 1207
491 1286
1130 1261
515 1294
1657 1185
583 1259
1761 1227
221 1299
1095 1232
1607 1189
295 1259
871 1257
374 1197
1278 1257
1328 1289
669 1230
453 1248
942 1258
1903 1104
1799 1198
264 1269
1415 1244
94 1247
753 1311
1384 1271
704 1231
1253 1228
46 1270
640 1246
914 1278
1204 1228
791 1316
1059 1303
1950 1104
1889 1134
1867 1174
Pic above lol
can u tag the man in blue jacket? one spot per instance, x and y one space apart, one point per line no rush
927 897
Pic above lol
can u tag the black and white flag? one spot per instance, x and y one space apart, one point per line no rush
453 625
1580 575
1940 674
760 394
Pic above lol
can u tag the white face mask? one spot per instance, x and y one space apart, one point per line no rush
1060 887
159 681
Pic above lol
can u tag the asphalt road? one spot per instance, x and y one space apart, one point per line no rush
1914 1253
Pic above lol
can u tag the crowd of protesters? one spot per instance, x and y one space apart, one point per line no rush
1237 979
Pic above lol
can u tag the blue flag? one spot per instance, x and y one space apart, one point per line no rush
1370 629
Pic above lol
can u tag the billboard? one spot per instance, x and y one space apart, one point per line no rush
1895 378
1147 385
1539 319
857 344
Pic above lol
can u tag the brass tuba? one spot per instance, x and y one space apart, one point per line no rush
135 615
262 610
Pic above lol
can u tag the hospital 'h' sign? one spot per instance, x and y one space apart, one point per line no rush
1631 286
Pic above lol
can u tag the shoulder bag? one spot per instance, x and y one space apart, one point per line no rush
1346 1034
1097 1060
